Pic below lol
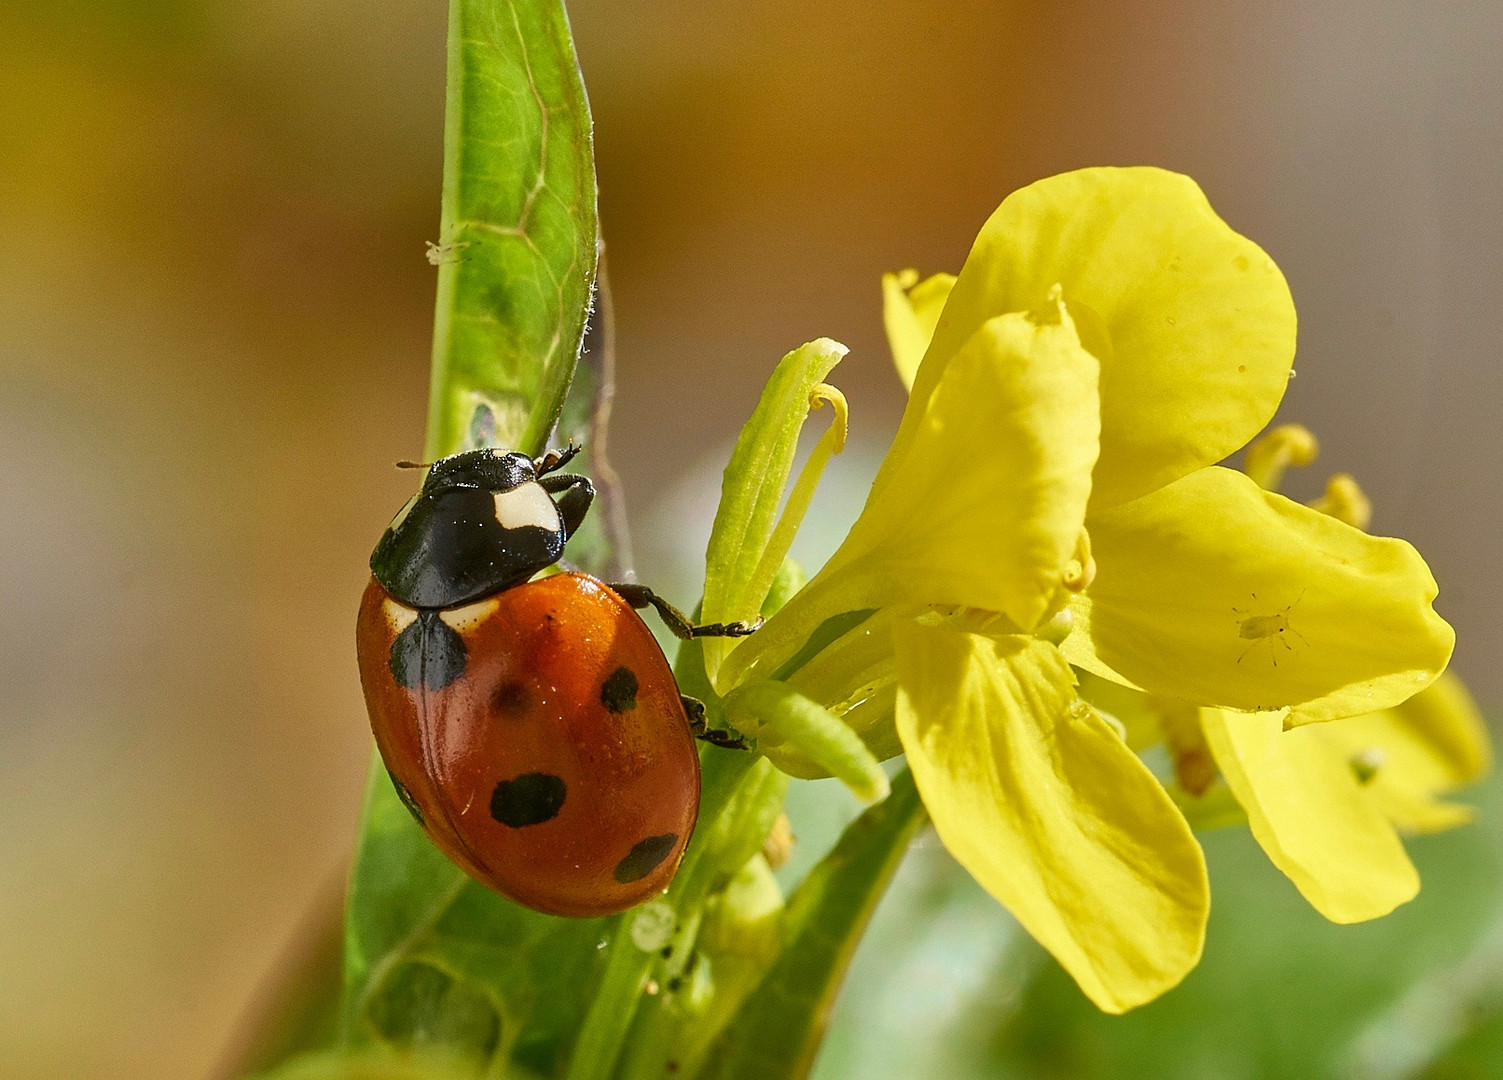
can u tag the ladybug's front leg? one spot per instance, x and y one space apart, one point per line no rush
640 596
702 730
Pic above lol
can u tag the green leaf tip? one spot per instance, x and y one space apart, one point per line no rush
518 231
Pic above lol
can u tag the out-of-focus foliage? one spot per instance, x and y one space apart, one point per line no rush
1280 993
778 1030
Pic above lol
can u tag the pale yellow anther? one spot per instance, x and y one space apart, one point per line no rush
823 393
1080 571
1286 446
1345 501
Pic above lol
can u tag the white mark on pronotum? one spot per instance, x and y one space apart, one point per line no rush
527 505
466 618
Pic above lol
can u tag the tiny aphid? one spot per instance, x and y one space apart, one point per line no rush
438 254
1270 628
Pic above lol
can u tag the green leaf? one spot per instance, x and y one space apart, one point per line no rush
518 230
739 937
777 1032
754 480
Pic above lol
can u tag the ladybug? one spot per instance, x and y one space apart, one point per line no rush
529 722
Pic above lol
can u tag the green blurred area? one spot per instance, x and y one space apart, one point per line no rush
214 329
945 984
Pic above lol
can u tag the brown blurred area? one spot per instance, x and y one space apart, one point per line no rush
214 320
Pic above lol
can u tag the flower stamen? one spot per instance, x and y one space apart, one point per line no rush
1080 571
1345 501
830 443
1286 446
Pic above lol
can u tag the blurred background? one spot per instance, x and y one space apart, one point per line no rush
214 331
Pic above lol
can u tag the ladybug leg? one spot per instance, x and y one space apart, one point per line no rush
640 596
554 460
702 730
572 495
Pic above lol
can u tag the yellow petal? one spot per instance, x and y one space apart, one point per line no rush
986 507
909 314
1432 744
1219 593
1193 324
1447 719
1047 808
1311 816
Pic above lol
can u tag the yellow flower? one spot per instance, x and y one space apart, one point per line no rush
1051 498
1328 802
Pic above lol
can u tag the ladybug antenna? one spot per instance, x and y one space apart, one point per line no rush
414 464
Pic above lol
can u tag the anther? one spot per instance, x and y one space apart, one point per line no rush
1345 501
1080 571
823 393
1288 445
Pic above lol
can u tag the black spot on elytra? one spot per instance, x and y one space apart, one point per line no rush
407 800
644 858
529 799
619 692
427 654
510 699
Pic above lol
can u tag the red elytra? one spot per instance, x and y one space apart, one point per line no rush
552 759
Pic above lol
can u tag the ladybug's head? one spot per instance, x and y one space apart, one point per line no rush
487 470
481 522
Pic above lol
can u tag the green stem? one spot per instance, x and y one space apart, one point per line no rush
778 1030
741 796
